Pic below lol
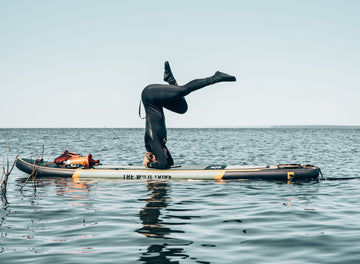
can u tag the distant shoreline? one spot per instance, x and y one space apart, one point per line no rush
225 127
316 126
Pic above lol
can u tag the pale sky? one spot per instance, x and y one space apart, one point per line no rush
84 63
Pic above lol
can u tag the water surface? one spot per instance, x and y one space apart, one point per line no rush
114 221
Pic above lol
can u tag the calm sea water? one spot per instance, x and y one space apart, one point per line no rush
112 221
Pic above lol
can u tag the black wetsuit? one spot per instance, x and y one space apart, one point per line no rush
157 96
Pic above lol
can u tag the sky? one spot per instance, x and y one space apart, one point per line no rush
84 63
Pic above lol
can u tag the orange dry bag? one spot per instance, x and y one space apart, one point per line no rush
65 156
72 159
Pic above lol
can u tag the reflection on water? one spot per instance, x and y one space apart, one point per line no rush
162 247
4 200
150 213
43 216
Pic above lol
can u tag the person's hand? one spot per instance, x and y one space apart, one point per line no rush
145 161
149 156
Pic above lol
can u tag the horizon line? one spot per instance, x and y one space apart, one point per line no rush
205 127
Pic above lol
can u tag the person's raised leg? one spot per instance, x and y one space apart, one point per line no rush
163 94
177 105
201 83
168 75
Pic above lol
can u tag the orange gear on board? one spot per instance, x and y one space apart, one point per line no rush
71 158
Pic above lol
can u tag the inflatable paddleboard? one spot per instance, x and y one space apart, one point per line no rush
287 172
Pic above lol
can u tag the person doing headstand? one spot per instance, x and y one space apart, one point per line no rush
155 98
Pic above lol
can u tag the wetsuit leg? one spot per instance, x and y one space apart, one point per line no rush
178 105
163 94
